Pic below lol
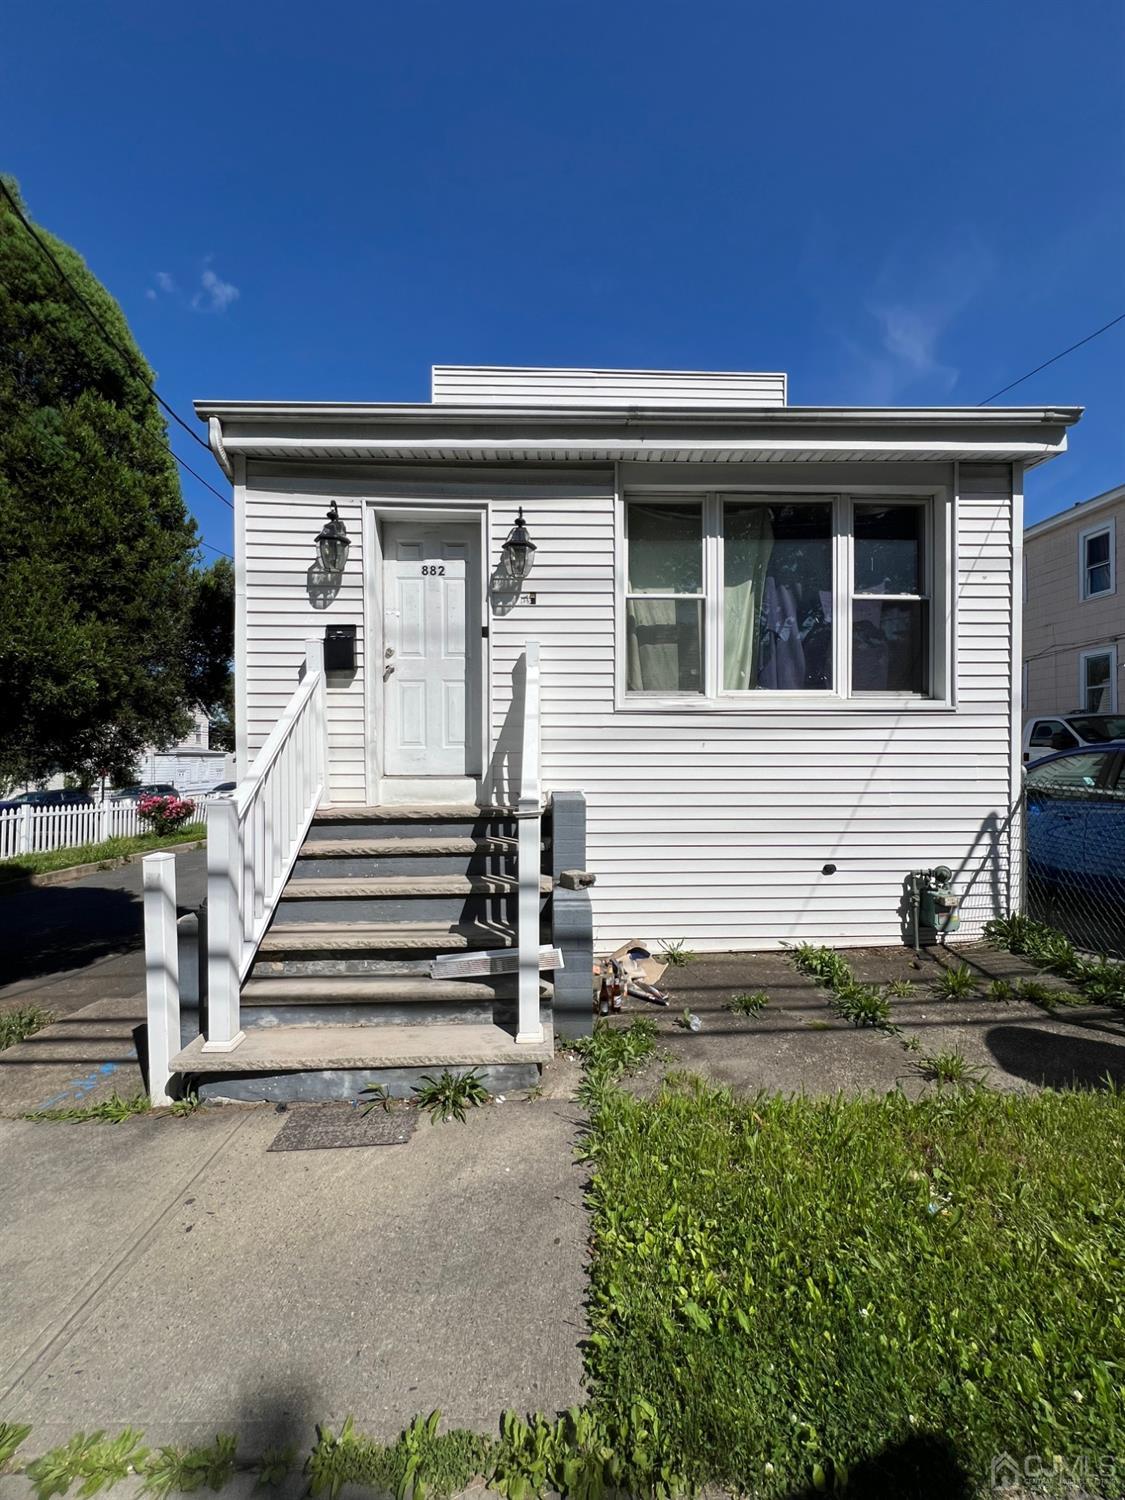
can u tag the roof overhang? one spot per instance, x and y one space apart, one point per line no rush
426 433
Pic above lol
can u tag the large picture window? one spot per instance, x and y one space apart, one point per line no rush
748 594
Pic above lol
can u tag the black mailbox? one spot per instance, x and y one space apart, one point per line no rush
339 648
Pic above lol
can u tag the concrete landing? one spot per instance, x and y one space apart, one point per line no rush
279 1049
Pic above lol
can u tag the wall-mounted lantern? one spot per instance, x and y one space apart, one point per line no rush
332 542
518 550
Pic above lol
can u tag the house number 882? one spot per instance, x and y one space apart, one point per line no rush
435 570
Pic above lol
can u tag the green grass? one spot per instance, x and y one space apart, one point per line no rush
450 1095
17 1025
91 854
676 954
109 1111
948 1067
751 1004
1099 980
800 1285
861 1004
956 984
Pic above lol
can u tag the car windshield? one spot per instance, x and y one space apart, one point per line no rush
1098 729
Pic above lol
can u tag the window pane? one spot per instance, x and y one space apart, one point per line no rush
1097 549
889 648
664 645
1097 674
1097 579
665 549
888 549
777 596
1075 771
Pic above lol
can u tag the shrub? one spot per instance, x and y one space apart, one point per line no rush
165 814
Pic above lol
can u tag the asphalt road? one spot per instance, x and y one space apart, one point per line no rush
63 946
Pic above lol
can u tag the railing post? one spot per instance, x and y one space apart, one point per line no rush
224 926
529 814
162 971
23 843
314 662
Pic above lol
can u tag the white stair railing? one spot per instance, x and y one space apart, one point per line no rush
253 840
529 813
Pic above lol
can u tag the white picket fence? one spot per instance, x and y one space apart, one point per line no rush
33 830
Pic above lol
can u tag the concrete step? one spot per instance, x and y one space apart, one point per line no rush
284 1049
437 812
361 847
374 989
380 887
346 858
396 937
380 1000
423 822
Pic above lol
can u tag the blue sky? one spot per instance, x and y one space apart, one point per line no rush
892 202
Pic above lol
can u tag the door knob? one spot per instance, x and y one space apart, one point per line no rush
387 670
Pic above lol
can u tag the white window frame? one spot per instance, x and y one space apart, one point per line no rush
1109 650
938 573
1103 528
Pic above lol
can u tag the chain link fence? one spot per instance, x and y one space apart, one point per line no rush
1072 831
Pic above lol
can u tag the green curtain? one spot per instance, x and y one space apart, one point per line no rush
747 545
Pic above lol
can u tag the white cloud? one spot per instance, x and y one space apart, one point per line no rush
165 282
150 294
215 294
915 302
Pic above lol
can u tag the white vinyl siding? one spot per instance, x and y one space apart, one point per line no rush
501 385
710 826
282 521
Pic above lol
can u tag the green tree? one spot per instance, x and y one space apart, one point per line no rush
96 547
210 648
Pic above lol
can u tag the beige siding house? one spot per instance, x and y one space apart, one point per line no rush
1074 609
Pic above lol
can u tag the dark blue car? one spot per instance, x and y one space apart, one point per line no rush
1076 844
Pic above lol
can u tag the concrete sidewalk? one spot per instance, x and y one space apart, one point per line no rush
77 952
171 1275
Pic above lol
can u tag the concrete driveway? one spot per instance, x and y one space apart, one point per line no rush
76 950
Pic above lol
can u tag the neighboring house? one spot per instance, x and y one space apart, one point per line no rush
1074 609
778 668
190 765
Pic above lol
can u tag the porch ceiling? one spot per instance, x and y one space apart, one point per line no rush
446 434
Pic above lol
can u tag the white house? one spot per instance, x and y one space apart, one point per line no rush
190 765
773 650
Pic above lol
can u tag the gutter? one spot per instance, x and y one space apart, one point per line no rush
215 439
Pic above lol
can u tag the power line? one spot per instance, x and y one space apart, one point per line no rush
115 345
92 315
1054 358
218 495
212 548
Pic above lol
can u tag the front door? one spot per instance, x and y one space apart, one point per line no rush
431 637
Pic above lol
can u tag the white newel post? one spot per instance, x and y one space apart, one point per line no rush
23 843
314 662
162 971
224 925
529 813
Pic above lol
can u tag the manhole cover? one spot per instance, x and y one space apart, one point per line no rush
332 1126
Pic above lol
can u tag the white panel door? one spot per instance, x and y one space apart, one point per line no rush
431 635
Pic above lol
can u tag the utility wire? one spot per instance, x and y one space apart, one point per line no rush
112 342
1054 358
218 494
212 548
92 315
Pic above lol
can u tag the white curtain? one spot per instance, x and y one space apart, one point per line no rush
747 547
663 646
